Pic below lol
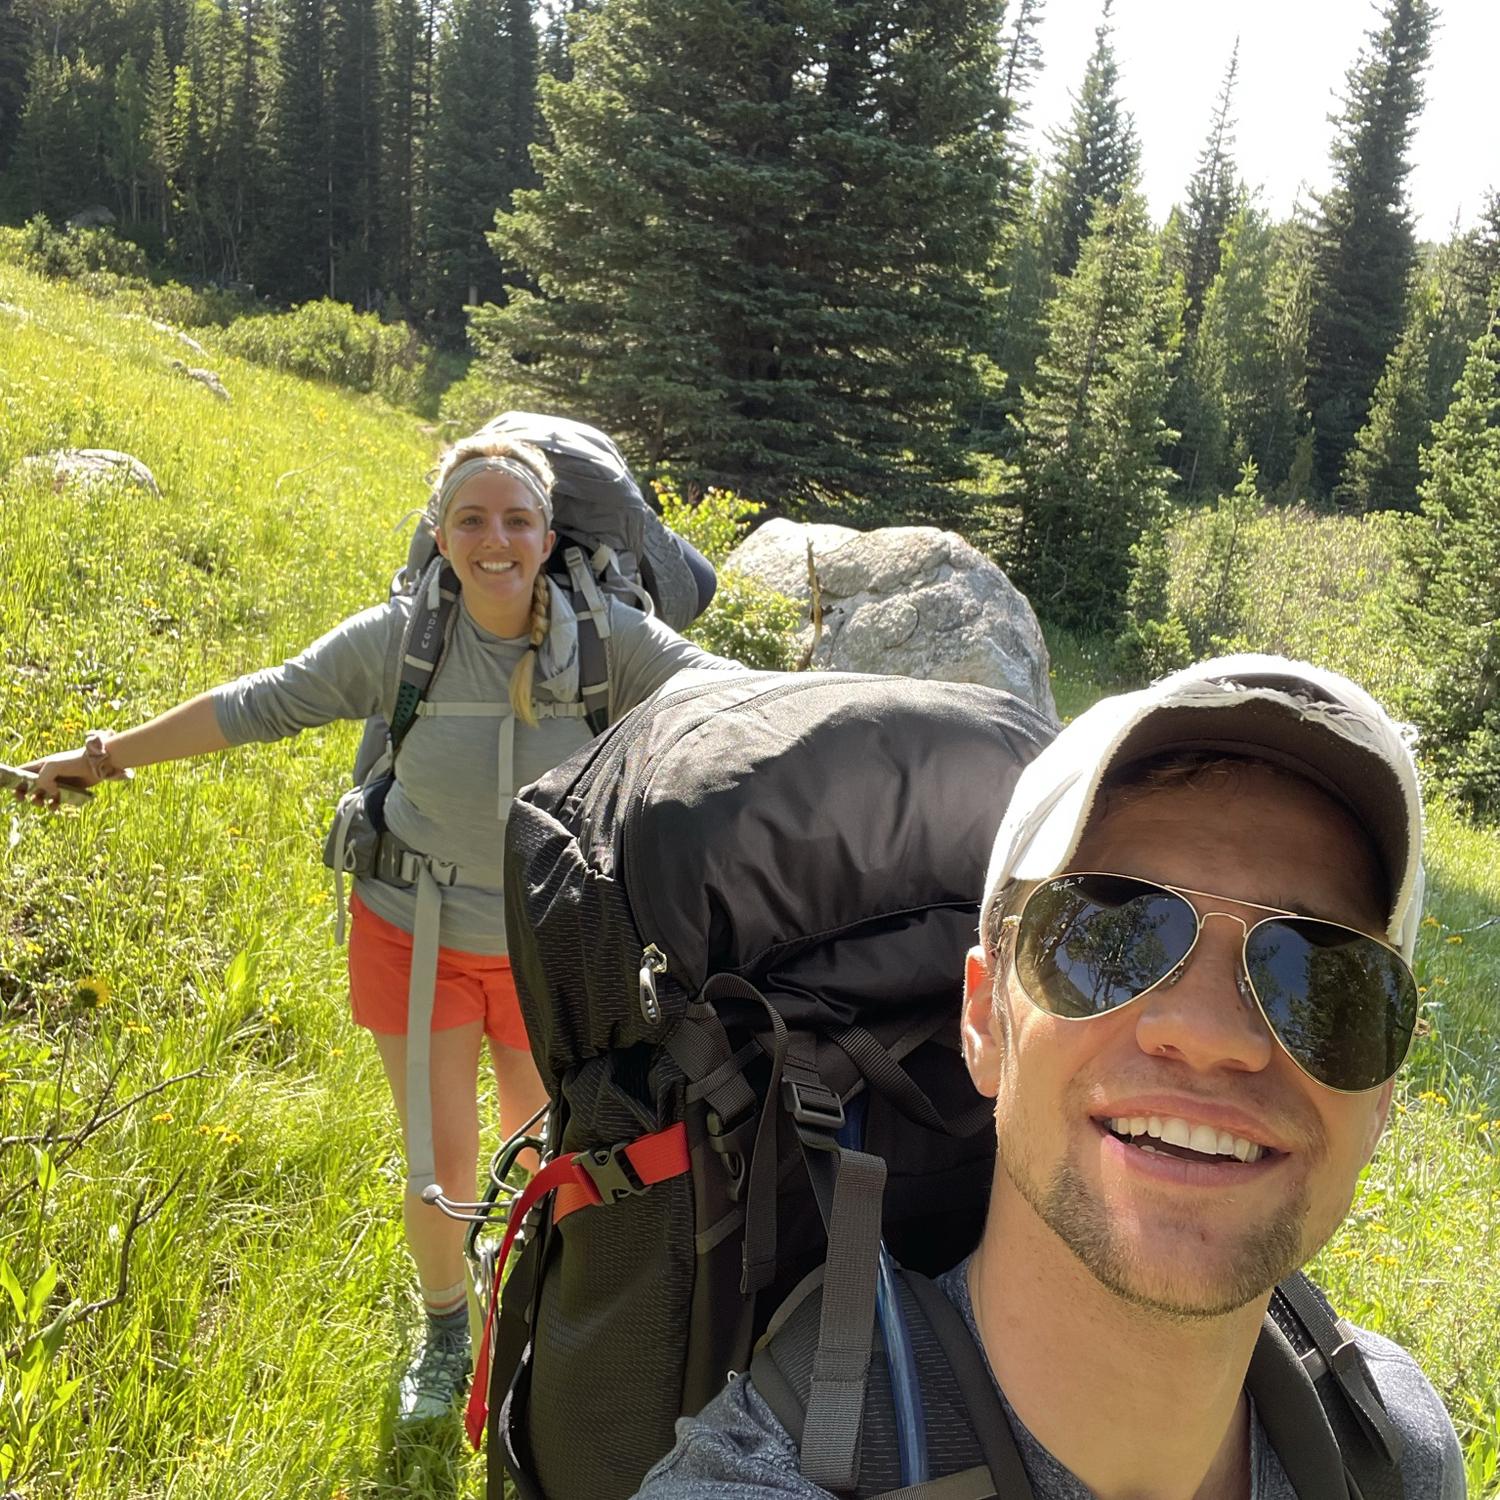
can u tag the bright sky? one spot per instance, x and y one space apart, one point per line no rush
1293 57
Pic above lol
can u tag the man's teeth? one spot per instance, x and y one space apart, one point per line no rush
1174 1132
495 567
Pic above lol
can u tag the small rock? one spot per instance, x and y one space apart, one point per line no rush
20 314
203 377
95 217
93 466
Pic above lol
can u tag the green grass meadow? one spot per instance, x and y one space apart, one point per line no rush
168 952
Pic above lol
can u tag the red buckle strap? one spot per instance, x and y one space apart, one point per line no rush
587 1179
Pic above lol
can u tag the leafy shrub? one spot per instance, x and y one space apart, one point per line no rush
328 340
747 620
188 306
471 401
750 622
75 253
1246 577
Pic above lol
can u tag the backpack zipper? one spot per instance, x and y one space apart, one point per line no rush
653 962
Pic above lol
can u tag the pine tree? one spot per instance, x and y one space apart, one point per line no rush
761 242
483 126
357 249
1449 306
1020 63
1096 156
1365 246
1452 618
1477 265
403 87
129 159
1211 199
294 250
163 137
1237 395
63 133
1091 431
13 55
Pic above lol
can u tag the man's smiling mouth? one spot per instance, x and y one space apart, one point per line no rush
1173 1136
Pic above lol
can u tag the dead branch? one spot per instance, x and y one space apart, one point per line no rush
815 610
75 1313
97 1121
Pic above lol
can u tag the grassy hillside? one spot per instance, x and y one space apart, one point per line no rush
176 937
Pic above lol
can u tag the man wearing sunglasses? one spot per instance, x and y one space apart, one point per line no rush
1189 1001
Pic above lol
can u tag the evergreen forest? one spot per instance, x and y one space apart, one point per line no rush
812 254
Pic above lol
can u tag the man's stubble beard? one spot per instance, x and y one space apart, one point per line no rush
1075 1214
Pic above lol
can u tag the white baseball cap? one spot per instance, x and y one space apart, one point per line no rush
1311 721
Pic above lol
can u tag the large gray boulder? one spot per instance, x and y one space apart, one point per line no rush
909 600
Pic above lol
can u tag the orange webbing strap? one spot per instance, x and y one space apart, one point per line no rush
586 1179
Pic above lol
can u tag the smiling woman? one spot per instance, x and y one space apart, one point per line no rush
427 937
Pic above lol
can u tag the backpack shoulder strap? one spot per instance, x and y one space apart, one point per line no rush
782 1370
594 672
977 1388
1328 1360
419 650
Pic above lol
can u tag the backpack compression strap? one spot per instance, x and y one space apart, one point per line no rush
584 1179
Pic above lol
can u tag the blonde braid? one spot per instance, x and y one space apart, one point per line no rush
525 673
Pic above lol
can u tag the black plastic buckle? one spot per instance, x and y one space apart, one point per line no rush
733 1143
813 1105
611 1172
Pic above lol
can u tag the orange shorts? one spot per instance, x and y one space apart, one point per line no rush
470 986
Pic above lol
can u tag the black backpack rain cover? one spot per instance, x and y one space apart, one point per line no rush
808 845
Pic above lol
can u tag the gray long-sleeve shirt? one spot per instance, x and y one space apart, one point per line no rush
446 800
735 1449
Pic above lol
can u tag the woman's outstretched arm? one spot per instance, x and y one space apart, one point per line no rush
192 728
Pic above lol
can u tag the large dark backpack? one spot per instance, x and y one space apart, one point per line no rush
1312 1392
734 921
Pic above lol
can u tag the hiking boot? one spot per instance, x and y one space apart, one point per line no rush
436 1378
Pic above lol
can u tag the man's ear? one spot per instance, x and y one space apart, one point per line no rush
1380 1115
981 1044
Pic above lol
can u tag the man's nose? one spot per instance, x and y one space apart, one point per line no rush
1203 1017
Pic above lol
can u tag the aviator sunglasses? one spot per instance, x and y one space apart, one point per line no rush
1341 1004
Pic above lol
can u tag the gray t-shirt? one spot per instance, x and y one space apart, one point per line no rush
447 800
735 1449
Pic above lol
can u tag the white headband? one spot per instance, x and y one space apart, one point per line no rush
488 463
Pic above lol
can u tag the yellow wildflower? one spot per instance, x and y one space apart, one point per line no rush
94 991
163 1117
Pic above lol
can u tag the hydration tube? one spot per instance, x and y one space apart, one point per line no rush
906 1387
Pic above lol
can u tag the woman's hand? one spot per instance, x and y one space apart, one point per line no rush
192 728
79 769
